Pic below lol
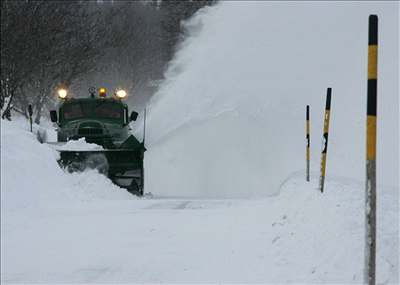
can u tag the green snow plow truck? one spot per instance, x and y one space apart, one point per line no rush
103 122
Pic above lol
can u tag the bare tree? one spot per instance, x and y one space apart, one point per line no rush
45 44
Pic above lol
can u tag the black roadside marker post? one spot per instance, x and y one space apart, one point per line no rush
30 112
370 186
144 125
143 150
308 142
325 139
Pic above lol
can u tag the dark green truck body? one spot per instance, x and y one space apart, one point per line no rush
105 122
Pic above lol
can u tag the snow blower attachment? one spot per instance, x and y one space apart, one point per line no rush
103 122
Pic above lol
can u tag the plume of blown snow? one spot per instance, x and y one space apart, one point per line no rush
229 119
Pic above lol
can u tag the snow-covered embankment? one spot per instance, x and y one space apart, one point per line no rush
32 178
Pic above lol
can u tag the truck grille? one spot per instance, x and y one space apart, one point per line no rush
89 131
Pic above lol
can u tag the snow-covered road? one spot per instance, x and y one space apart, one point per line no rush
299 236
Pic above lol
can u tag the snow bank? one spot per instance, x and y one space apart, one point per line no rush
31 177
229 119
78 145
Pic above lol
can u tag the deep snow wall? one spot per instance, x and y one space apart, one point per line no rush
229 119
32 179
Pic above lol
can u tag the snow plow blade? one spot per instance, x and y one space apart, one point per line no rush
124 166
118 161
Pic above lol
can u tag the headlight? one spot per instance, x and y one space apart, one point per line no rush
62 93
121 93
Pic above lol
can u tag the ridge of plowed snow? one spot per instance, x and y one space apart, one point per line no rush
78 145
31 176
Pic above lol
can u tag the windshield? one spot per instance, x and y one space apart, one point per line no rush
101 110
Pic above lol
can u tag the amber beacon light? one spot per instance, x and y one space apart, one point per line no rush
102 92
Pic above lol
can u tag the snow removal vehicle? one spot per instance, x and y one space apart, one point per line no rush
103 122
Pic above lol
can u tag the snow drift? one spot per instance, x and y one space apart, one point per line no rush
31 177
229 119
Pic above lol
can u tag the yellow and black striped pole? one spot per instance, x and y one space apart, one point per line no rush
308 142
370 212
325 139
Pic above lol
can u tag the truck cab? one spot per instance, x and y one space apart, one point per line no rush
103 121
